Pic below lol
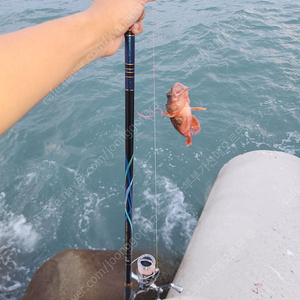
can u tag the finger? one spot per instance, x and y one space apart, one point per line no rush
143 15
137 27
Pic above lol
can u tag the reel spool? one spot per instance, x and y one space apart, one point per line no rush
147 275
145 266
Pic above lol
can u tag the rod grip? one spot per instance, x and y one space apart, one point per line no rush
128 293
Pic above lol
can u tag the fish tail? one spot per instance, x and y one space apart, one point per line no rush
188 141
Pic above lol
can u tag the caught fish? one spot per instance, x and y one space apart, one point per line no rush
179 110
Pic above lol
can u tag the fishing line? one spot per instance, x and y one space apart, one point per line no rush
154 133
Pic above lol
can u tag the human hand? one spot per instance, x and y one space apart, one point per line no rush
110 20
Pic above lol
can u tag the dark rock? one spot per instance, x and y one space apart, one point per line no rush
88 275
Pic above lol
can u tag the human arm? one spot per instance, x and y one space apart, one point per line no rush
36 60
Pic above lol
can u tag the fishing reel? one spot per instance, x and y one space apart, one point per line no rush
147 275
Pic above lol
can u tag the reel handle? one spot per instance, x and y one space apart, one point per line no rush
176 287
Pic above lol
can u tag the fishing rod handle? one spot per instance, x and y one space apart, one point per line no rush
129 60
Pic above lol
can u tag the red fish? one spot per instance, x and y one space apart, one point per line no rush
179 110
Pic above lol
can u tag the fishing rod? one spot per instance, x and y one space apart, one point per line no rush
146 271
129 144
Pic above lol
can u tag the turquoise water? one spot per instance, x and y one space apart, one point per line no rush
240 59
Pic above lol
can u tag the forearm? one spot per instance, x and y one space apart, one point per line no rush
35 60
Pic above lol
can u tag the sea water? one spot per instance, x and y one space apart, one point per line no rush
62 165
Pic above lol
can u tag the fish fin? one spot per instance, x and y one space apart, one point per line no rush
195 126
198 108
175 114
188 140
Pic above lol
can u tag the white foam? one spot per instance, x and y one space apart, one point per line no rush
90 215
30 177
176 214
287 144
13 287
16 228
16 232
17 236
175 222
